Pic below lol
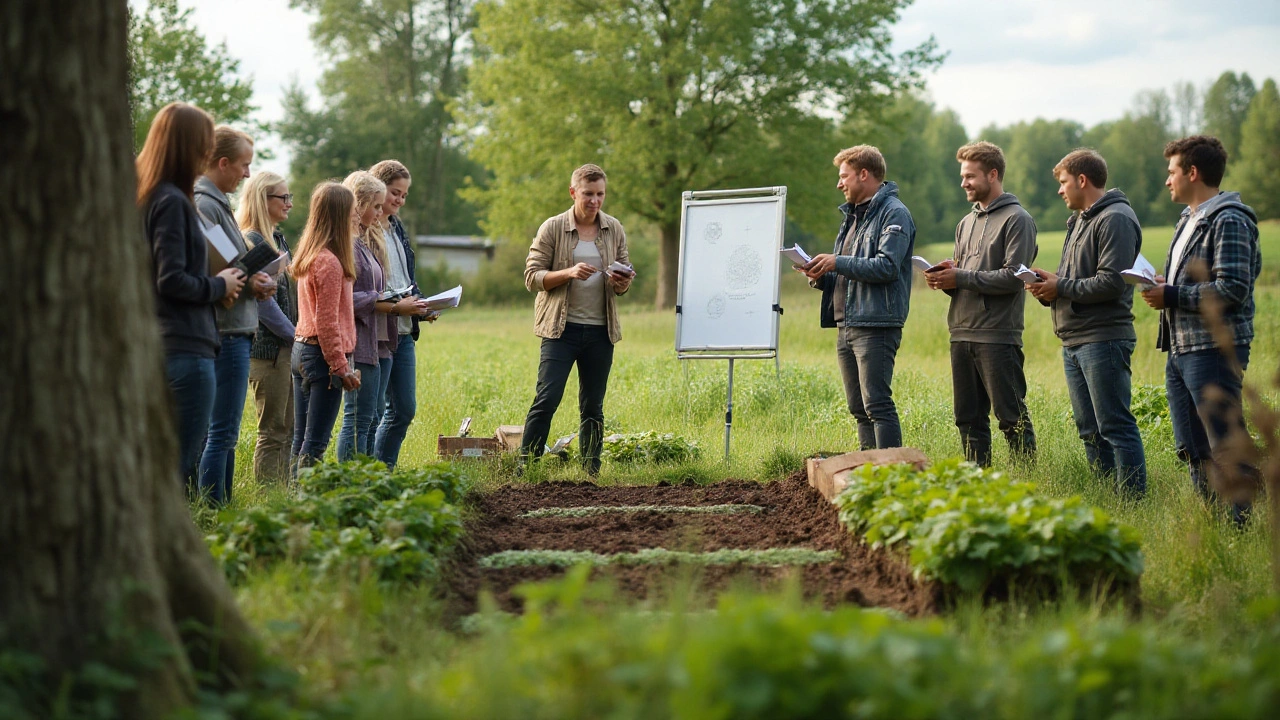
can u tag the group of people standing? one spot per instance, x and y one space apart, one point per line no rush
1212 264
323 330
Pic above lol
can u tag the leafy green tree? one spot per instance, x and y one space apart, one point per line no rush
675 95
396 66
1256 170
1134 149
169 61
1225 104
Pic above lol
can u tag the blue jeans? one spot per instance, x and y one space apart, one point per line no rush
1099 383
218 464
317 398
191 380
402 403
1201 419
359 413
866 357
590 348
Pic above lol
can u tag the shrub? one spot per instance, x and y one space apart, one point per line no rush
354 515
968 527
649 446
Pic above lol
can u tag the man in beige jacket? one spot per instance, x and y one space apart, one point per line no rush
576 312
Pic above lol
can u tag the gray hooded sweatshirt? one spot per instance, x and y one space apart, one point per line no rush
987 304
242 317
1094 302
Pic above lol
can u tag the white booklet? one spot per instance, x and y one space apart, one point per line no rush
1142 273
561 444
222 251
278 265
796 255
1026 274
446 299
924 265
619 269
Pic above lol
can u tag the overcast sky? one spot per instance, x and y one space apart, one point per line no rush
1008 61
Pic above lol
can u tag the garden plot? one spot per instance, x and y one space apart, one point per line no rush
644 536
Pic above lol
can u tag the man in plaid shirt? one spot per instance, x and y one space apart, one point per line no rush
1214 253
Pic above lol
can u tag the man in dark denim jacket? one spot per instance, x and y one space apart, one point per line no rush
1215 254
866 291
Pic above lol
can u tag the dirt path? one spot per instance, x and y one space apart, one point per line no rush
794 516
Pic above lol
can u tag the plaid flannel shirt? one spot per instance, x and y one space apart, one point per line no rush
1225 243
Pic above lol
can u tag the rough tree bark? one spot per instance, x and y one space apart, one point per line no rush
94 528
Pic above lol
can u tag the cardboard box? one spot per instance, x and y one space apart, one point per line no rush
509 436
453 447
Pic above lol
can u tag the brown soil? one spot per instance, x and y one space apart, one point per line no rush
795 515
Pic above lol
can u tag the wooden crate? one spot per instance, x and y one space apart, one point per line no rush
831 475
454 447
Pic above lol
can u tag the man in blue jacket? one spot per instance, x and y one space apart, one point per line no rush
866 290
1214 254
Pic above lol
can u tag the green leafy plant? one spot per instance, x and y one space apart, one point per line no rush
967 526
353 515
649 446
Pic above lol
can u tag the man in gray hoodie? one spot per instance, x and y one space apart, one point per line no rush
985 318
237 322
1214 254
1093 315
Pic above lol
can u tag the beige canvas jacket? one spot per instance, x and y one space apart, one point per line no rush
552 249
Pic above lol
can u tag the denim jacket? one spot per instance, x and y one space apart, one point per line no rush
1224 244
878 265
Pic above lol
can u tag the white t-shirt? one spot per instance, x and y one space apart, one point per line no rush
1180 246
400 276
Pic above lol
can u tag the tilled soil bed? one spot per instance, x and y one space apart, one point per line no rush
794 516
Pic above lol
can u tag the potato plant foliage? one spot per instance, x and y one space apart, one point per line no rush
649 446
969 527
350 516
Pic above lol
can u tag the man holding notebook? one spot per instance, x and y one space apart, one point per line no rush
1214 254
985 318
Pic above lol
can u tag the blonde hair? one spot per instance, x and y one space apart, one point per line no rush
228 142
366 186
586 174
177 148
253 213
328 228
863 157
388 171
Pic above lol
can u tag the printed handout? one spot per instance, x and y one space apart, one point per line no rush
796 255
1142 273
1026 274
924 265
445 300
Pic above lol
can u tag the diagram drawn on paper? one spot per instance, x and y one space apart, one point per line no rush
716 306
743 269
713 233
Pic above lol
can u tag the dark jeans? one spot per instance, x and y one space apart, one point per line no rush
360 413
590 348
1099 383
193 384
983 376
401 403
866 357
218 464
317 398
1203 417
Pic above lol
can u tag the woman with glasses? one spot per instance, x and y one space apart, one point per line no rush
264 204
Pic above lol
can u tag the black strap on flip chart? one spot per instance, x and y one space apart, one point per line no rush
777 308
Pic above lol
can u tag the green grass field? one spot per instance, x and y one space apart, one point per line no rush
1201 575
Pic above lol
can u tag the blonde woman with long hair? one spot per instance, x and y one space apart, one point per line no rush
178 146
265 202
324 269
360 409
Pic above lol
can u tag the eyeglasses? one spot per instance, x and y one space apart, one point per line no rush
287 197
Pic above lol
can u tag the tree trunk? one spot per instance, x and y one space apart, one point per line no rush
99 549
668 265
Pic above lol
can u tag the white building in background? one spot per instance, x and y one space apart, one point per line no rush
463 253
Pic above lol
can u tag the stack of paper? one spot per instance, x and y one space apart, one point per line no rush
1142 273
924 265
618 268
561 444
796 255
1026 274
446 299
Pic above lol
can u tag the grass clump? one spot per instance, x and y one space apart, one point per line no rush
775 557
969 527
591 510
353 515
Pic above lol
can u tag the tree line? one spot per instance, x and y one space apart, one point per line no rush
493 104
